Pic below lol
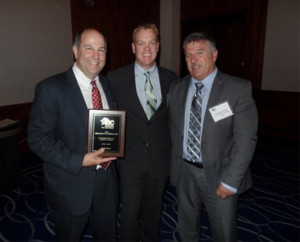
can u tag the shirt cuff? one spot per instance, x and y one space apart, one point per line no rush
233 189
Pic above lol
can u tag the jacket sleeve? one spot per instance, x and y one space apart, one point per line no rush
44 132
244 135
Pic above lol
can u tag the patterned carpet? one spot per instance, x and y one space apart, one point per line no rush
267 212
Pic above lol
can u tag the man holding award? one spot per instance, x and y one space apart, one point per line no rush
80 186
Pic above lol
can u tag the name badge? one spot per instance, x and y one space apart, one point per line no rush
220 111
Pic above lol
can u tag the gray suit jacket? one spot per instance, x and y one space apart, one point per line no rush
227 145
57 133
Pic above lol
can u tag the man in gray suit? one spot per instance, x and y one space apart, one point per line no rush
213 132
145 168
79 187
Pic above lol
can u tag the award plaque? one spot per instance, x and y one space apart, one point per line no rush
107 130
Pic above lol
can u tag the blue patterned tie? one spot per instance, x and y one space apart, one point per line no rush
194 132
151 104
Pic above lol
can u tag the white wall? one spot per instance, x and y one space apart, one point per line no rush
281 70
35 42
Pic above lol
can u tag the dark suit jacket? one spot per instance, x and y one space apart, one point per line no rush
227 145
148 143
57 133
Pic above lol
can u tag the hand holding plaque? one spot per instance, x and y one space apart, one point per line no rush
107 130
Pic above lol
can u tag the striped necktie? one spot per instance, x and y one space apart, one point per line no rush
194 132
151 104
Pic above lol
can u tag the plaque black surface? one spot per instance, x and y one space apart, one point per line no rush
107 130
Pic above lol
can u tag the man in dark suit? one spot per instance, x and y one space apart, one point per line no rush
213 133
77 187
144 170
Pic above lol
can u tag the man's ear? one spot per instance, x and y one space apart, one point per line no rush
133 48
75 51
215 55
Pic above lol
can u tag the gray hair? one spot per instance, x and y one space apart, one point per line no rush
198 37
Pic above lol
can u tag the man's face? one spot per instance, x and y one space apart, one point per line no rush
200 59
91 54
145 47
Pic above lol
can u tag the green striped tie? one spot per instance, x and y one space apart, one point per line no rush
151 104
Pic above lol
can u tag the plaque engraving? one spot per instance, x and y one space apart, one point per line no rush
107 130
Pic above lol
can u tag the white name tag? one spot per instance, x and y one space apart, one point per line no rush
221 111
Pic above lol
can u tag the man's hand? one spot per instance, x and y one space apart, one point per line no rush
95 158
223 192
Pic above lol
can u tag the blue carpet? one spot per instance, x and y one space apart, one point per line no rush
267 212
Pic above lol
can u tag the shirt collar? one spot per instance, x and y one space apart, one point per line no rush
207 81
82 79
140 71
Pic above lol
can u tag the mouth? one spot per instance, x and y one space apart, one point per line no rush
195 67
94 62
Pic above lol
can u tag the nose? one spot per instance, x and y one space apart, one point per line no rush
147 46
95 54
193 58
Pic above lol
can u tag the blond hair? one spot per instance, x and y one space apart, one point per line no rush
144 27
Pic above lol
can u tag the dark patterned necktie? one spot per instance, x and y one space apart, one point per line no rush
194 132
97 104
151 104
96 98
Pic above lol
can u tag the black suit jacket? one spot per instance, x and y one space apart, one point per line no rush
148 142
57 133
227 145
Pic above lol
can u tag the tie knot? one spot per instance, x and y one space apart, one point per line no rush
199 86
147 74
93 83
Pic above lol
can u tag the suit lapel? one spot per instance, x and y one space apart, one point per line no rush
214 99
74 93
107 92
129 88
182 95
163 87
164 84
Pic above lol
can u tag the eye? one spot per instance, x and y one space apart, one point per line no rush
140 44
102 51
88 47
188 56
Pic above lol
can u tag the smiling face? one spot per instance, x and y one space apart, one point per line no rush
91 53
145 47
200 59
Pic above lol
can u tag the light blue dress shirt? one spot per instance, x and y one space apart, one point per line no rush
207 82
140 84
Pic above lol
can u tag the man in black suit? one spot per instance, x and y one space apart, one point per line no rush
77 187
144 170
213 131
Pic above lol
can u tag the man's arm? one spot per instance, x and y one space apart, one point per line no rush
244 135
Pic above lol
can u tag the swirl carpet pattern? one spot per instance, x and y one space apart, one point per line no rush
267 212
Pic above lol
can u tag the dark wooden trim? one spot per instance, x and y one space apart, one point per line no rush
255 12
19 112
